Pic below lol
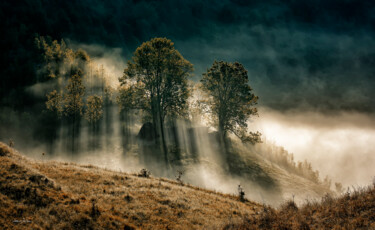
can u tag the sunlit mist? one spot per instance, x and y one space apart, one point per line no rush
340 145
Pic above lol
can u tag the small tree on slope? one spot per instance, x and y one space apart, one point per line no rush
230 99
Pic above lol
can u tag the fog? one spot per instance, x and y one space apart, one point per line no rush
111 58
340 145
200 157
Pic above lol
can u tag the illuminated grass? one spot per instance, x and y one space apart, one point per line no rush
54 195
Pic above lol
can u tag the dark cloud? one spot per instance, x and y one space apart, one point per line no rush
314 54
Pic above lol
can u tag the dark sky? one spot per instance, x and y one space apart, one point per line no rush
309 55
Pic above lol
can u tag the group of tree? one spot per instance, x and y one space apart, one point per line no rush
155 81
76 91
284 159
156 84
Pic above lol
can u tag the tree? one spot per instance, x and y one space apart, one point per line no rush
57 56
54 102
93 113
74 93
157 75
47 128
94 109
73 101
230 99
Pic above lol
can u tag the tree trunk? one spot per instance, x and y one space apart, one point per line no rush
165 149
159 129
73 134
223 136
222 131
154 121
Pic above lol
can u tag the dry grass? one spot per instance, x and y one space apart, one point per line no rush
353 210
54 195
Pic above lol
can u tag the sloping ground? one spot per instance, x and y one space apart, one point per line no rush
273 182
53 195
353 210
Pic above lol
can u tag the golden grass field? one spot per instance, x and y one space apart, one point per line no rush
58 195
54 195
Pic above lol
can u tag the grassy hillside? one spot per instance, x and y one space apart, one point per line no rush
352 210
54 195
268 182
58 195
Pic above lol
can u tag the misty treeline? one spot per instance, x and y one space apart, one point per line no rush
281 157
155 86
155 95
156 82
78 91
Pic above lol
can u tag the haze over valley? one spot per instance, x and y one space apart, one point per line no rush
266 107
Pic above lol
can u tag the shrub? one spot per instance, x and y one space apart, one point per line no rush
144 173
241 193
178 177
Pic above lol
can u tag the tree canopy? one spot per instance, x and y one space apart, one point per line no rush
156 78
73 98
94 110
230 99
160 72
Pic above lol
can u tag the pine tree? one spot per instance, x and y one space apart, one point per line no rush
73 102
94 109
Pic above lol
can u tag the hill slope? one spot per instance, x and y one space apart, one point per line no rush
54 195
263 181
353 210
57 195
